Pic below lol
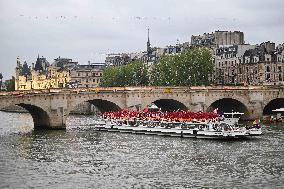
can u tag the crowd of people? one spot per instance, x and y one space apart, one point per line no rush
158 115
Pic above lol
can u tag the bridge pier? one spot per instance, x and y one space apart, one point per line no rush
57 119
255 109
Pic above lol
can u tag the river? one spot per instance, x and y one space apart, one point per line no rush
80 157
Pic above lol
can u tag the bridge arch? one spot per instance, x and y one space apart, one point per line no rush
272 105
169 105
101 105
229 105
40 117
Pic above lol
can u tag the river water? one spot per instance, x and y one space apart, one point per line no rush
81 157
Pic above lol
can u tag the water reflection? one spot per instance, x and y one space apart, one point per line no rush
81 157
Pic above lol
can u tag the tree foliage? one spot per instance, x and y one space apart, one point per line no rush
133 74
190 68
10 84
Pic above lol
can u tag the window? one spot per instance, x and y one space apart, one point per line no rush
279 69
267 69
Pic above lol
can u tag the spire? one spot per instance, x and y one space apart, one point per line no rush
38 64
148 36
148 42
148 47
18 62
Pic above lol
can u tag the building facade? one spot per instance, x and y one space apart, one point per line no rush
218 38
249 65
42 75
86 76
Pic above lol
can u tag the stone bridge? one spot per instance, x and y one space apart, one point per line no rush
50 108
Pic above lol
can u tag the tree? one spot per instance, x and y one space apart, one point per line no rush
10 84
132 74
192 67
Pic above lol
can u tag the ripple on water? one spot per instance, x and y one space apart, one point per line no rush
81 157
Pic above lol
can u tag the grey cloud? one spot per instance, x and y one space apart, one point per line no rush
84 29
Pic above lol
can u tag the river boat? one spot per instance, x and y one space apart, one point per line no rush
232 118
204 130
179 124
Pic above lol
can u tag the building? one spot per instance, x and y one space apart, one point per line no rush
218 38
226 62
66 63
117 59
86 76
249 65
263 65
42 75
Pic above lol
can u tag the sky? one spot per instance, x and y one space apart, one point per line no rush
86 30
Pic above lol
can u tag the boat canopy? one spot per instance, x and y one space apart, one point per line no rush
278 110
153 107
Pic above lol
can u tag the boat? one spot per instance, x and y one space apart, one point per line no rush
232 118
177 129
177 124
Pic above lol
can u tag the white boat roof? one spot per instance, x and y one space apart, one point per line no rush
278 110
153 106
229 113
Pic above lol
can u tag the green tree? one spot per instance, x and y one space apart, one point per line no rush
192 67
132 74
10 84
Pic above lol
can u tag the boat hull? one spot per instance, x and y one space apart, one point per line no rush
173 132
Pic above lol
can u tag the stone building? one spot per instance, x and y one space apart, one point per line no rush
249 65
86 76
226 62
41 75
263 65
66 63
117 59
218 38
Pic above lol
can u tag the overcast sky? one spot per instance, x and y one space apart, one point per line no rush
87 29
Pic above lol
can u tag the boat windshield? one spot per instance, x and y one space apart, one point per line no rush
233 115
